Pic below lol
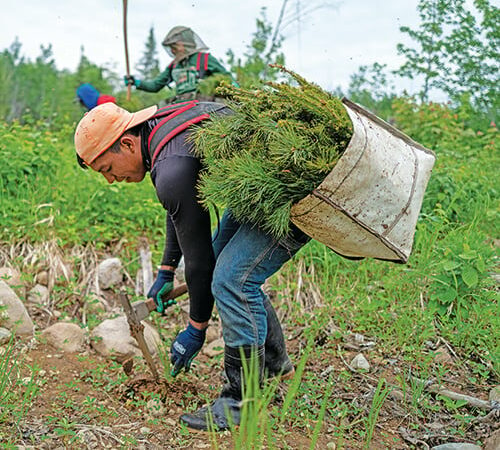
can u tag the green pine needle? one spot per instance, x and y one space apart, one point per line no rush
279 144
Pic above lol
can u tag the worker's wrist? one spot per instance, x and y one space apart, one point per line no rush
167 267
199 325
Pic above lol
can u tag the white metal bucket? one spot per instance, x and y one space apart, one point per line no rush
368 205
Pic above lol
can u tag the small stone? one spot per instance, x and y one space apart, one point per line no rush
14 316
155 407
331 445
443 356
11 276
213 333
68 337
180 272
493 441
456 446
360 362
42 278
495 395
39 295
110 273
145 430
170 422
358 338
4 335
430 344
202 445
97 304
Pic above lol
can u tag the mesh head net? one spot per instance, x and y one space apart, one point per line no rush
191 41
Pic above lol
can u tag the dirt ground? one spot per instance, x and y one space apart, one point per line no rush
85 401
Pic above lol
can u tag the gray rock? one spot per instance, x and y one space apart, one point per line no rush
494 396
214 348
213 333
180 271
68 337
39 294
14 317
155 407
112 339
42 278
493 441
443 356
110 273
97 304
4 335
360 362
456 446
11 276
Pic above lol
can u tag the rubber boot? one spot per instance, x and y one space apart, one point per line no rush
277 362
226 409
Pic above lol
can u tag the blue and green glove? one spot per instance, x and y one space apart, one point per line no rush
163 284
185 347
129 79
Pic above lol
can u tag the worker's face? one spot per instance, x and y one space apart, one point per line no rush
177 49
127 165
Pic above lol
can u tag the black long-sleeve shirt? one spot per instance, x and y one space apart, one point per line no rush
175 177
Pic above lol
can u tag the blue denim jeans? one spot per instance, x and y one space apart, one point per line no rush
245 258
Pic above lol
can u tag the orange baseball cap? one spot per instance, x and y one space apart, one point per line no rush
103 125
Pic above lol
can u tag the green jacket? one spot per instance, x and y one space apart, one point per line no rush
185 74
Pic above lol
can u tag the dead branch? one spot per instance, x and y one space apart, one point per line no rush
469 400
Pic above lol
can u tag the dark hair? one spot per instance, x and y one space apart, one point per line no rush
115 146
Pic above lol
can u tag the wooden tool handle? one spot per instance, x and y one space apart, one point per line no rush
174 293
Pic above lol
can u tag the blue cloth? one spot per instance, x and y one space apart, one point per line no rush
245 258
88 95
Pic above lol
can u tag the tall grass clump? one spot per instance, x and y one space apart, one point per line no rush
277 146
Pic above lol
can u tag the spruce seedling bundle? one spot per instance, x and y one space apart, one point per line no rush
279 144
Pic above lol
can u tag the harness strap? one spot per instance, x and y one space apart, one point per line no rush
169 112
185 125
175 119
199 68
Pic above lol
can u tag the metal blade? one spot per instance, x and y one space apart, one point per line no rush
143 308
137 331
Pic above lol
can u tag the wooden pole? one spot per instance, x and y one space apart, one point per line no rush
126 46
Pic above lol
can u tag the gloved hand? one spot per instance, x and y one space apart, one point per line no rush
185 347
130 79
163 284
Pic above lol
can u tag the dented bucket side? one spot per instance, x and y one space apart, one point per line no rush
369 203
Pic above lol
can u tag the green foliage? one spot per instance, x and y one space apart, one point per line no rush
371 88
279 145
454 52
149 65
40 200
208 86
263 50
